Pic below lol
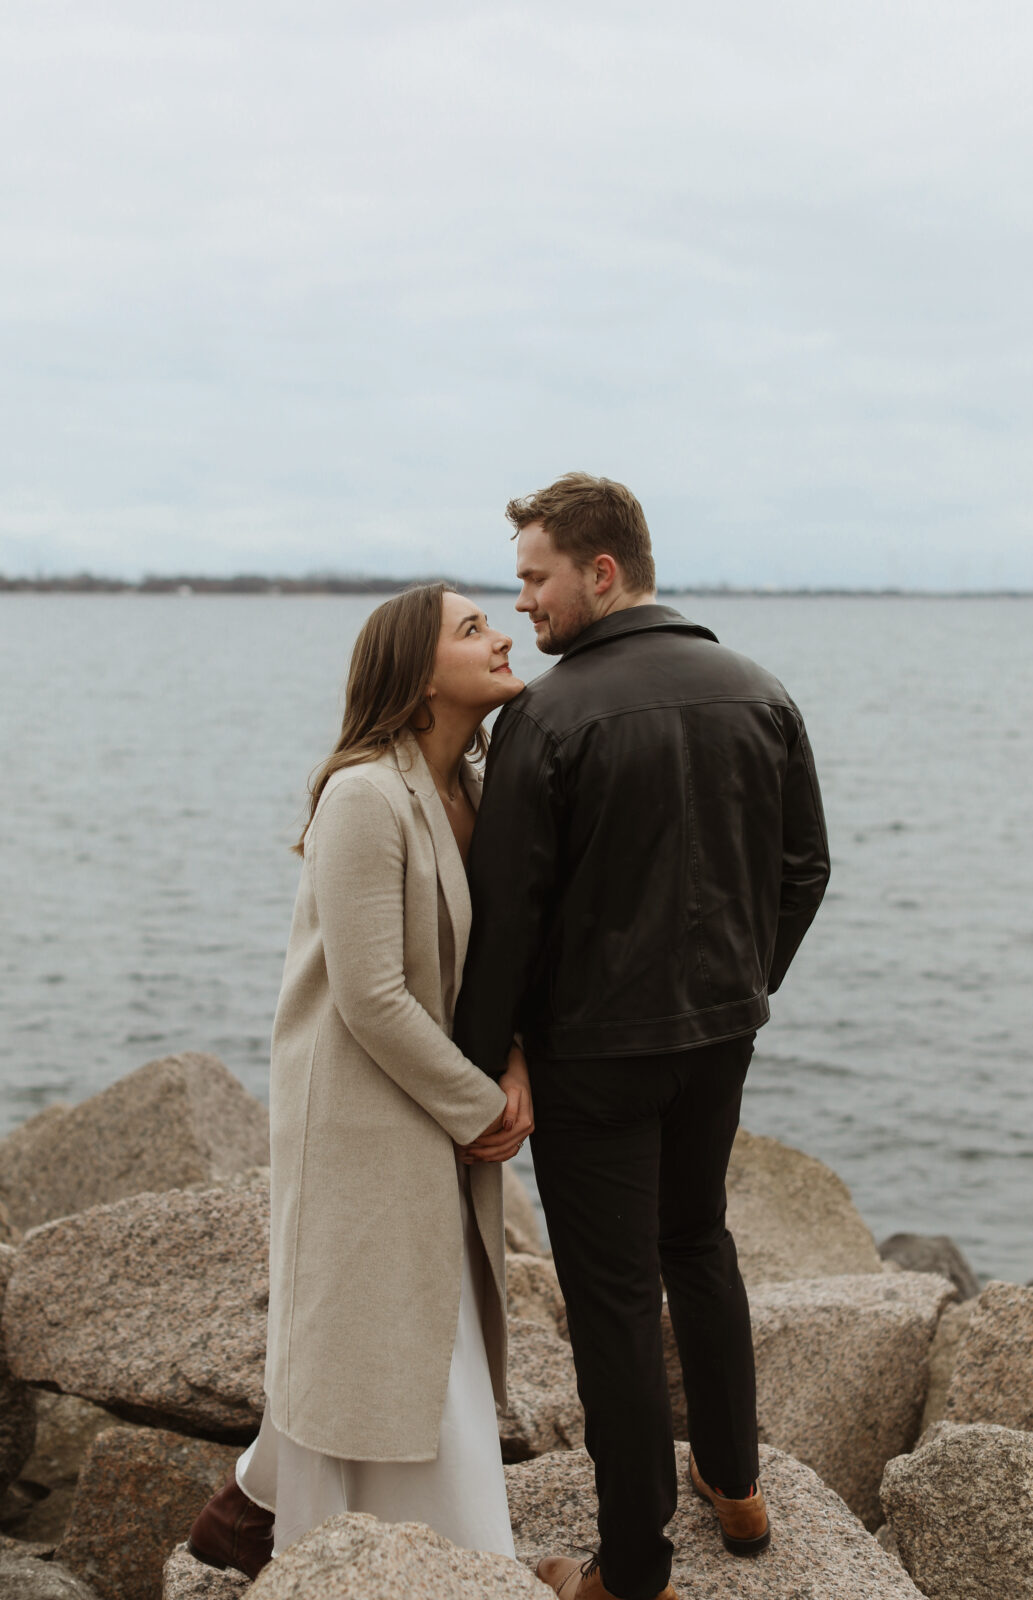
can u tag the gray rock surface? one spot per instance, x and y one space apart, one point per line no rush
818 1550
137 1496
792 1217
17 1401
842 1373
523 1230
154 1308
9 1234
943 1355
355 1557
993 1374
932 1252
961 1509
533 1291
187 1579
544 1411
181 1120
26 1578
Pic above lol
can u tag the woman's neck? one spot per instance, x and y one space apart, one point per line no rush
443 748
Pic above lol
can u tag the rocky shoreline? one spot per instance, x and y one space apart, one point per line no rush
895 1397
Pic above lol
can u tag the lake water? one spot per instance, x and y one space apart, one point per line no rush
155 751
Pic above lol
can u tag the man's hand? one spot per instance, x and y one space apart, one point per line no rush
505 1136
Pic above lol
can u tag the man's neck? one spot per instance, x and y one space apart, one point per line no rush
624 602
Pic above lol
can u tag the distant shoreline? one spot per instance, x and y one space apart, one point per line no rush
247 584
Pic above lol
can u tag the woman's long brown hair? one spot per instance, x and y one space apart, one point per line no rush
391 665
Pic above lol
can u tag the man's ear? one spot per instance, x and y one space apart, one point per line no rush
604 570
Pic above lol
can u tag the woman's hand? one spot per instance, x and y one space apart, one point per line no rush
505 1136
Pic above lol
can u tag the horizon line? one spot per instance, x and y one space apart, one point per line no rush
245 583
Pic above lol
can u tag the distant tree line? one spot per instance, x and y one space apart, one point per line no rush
330 583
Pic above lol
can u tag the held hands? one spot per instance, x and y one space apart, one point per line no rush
508 1132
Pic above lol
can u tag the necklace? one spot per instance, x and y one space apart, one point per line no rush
451 795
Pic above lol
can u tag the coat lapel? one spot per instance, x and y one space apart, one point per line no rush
418 779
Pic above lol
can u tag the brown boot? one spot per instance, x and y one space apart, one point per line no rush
232 1531
744 1523
560 1573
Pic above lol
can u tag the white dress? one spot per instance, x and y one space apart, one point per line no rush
461 1494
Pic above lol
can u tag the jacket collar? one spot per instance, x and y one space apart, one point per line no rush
419 780
636 619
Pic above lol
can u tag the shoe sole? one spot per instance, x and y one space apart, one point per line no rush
209 1561
735 1547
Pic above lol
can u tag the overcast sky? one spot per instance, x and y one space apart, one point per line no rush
320 286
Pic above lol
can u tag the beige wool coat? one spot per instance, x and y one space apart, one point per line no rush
368 1098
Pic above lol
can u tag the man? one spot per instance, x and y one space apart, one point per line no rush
649 853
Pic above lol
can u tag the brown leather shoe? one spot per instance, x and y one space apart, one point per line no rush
232 1531
559 1573
744 1523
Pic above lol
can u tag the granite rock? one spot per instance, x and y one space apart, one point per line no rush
355 1557
181 1120
137 1496
533 1291
9 1234
818 1550
26 1578
842 1372
65 1428
961 1509
187 1579
931 1252
17 1401
792 1217
544 1412
993 1373
523 1231
154 1307
943 1356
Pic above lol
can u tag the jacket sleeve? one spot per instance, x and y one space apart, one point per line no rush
805 853
512 873
356 854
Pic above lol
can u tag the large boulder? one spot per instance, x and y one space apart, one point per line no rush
841 1373
65 1428
355 1557
181 1120
137 1496
818 1548
533 1291
523 1231
154 1308
961 1510
993 1373
792 1217
931 1252
943 1356
17 1401
544 1412
187 1579
24 1577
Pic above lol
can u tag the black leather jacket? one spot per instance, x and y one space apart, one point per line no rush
649 853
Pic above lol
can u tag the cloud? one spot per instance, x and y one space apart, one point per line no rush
324 287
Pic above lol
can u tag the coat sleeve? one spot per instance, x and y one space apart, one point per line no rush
512 871
805 853
356 854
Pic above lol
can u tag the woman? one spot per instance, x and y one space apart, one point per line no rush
387 1313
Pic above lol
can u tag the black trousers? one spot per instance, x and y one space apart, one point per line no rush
630 1155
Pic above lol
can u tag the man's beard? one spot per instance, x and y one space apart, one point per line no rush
555 638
